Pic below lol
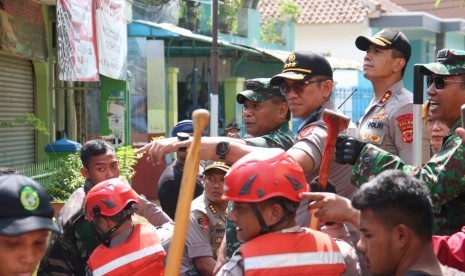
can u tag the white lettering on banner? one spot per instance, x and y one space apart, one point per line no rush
293 259
126 259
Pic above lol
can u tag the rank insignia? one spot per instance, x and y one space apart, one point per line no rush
385 97
212 208
380 116
203 222
405 124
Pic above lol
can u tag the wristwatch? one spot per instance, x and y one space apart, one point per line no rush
222 148
182 136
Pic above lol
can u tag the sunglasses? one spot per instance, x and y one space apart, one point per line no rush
297 86
439 82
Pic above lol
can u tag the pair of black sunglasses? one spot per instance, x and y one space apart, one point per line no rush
297 86
439 82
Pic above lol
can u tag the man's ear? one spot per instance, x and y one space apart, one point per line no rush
327 87
84 172
402 235
276 213
283 108
399 63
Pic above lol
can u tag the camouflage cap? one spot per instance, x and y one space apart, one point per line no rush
258 90
448 62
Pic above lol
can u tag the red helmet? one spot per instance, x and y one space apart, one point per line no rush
257 177
109 197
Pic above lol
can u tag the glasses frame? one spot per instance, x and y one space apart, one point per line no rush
297 86
439 82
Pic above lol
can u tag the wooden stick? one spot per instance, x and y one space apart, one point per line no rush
201 118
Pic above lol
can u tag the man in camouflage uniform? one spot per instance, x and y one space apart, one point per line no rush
443 174
388 120
68 253
207 222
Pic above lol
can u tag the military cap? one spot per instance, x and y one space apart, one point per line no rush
232 125
24 206
448 62
258 90
302 66
216 165
386 38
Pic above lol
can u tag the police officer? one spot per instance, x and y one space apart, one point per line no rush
206 224
443 174
388 120
264 189
127 248
26 219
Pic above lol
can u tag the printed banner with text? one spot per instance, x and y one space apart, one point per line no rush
112 39
76 40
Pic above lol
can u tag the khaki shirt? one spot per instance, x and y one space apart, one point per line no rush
388 124
205 233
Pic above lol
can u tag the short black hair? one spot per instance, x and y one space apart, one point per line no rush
94 148
397 198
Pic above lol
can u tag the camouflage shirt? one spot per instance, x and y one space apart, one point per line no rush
281 137
443 175
68 252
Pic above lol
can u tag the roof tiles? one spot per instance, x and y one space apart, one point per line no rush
328 11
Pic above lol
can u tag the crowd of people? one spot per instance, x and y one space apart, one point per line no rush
378 215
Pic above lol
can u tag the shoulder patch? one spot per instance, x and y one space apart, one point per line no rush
405 124
385 97
202 221
306 131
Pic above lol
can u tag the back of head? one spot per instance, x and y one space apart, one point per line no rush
24 206
397 198
94 148
257 177
108 198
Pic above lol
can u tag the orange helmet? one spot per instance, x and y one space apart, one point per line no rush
257 177
109 197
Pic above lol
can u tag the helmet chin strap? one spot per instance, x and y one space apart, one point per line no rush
106 240
264 229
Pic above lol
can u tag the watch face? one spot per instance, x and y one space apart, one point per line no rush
222 149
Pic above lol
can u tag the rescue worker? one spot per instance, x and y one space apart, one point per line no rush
68 253
388 120
127 248
26 220
207 222
264 189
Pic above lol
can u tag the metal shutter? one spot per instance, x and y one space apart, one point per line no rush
17 143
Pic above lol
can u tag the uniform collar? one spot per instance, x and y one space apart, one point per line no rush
390 92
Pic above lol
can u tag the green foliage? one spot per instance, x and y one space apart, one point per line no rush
127 159
28 119
289 9
67 178
268 32
227 16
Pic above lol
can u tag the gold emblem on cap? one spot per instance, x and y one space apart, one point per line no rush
29 198
291 57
